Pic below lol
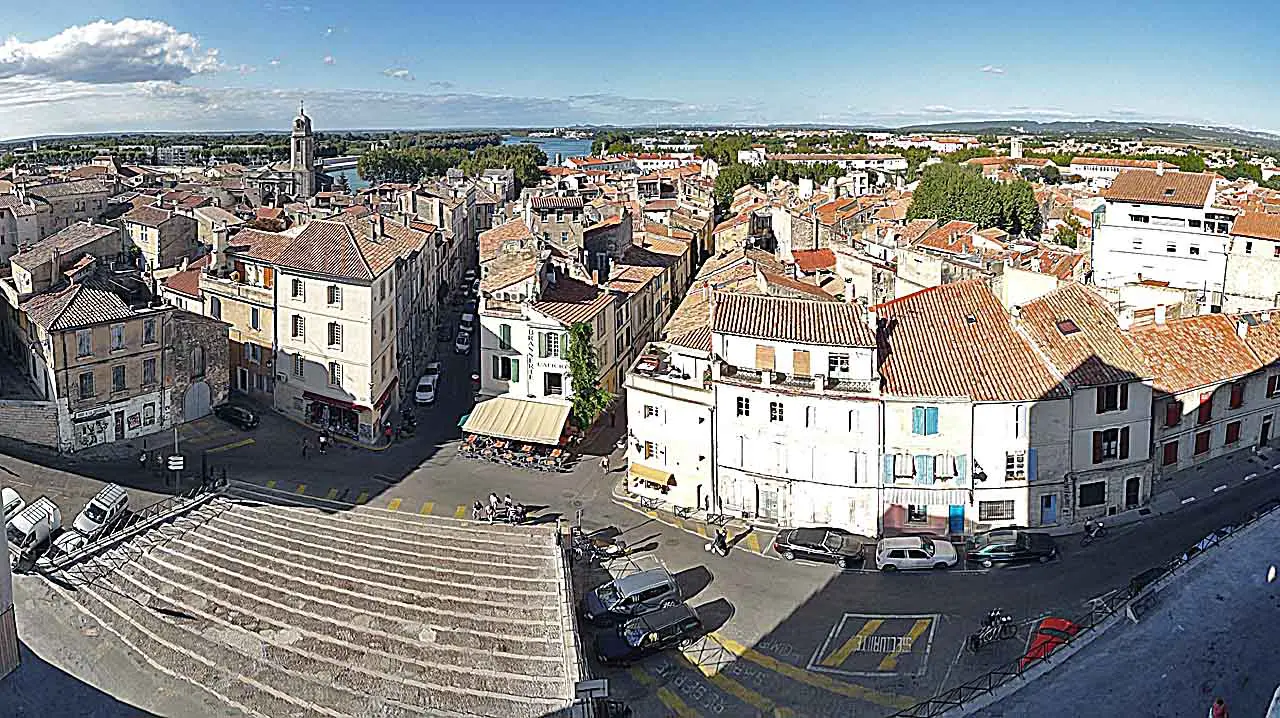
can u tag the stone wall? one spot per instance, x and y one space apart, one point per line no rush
35 422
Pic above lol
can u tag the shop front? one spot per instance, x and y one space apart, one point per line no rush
338 417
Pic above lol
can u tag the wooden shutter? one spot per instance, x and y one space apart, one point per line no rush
1172 413
240 269
1124 443
800 363
268 277
1102 399
542 345
917 420
1237 394
1170 453
764 358
1124 397
931 420
1097 447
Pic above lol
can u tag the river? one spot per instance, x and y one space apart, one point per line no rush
551 145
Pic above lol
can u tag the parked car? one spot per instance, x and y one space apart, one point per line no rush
12 503
434 368
822 543
462 344
1051 634
443 334
31 529
469 276
912 552
467 323
1010 546
469 306
425 392
630 596
101 510
650 633
237 415
475 287
68 541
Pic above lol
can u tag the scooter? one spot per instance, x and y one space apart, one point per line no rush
586 547
718 545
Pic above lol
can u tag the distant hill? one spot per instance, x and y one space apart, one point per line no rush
1164 131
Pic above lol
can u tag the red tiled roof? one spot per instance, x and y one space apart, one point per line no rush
1118 162
1196 351
1098 352
1258 225
803 321
812 291
1176 189
491 240
147 215
1263 335
571 301
951 237
812 260
188 282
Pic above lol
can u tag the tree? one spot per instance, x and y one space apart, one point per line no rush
589 399
1050 174
1064 234
342 184
950 192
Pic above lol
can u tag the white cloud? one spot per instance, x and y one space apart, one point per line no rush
399 73
329 31
937 109
993 70
274 62
246 69
109 52
328 60
441 85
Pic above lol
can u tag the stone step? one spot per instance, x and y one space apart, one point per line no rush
480 575
473 679
404 547
383 584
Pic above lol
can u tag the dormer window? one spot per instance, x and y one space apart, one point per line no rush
1067 327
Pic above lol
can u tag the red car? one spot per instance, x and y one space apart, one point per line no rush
1050 635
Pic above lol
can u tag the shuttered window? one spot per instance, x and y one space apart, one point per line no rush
1172 413
764 358
800 363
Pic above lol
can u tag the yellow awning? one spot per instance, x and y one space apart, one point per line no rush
503 417
657 476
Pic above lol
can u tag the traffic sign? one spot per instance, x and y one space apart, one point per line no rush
176 462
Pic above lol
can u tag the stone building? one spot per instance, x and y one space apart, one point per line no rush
276 184
163 236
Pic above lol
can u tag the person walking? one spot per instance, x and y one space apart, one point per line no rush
323 440
604 463
305 444
1219 709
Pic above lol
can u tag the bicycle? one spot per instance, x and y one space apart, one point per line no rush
1093 530
998 626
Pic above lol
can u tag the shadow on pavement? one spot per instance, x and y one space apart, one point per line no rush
715 614
693 581
38 688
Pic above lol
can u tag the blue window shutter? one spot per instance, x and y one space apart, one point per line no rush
931 420
962 470
917 420
1031 464
887 468
922 469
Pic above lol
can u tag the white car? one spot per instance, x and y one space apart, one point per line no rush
425 393
912 552
467 323
12 503
101 510
469 276
69 541
433 369
462 344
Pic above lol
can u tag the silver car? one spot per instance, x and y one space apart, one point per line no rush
913 552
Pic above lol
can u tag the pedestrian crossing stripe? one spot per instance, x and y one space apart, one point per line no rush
363 497
271 484
333 494
302 489
394 505
461 513
753 542
427 507
232 445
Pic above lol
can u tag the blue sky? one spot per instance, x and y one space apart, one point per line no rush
107 65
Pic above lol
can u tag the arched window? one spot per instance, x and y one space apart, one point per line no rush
197 362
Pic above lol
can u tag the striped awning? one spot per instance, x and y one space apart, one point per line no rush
926 497
648 473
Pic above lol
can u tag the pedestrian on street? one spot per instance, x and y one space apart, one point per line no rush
387 432
493 501
323 440
604 463
304 447
1219 709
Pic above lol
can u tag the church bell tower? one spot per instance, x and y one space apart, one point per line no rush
302 154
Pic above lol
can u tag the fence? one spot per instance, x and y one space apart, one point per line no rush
1131 599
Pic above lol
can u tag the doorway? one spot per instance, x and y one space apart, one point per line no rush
955 520
1265 436
1048 509
119 425
1131 486
767 503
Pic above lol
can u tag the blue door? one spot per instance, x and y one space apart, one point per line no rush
955 520
1048 509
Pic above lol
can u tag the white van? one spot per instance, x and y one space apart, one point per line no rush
29 531
12 503
101 510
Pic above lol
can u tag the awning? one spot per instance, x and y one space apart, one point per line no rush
926 497
503 417
463 421
386 394
312 396
652 475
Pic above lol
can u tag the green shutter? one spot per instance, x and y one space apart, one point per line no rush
515 369
497 367
542 345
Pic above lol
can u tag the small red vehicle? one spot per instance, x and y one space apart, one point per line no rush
1050 635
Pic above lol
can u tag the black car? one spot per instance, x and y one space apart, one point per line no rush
443 333
237 415
823 543
1010 546
650 633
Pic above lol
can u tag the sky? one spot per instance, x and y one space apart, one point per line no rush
72 66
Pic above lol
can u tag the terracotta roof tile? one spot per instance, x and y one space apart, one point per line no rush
958 340
572 301
257 244
787 284
77 305
1118 162
802 321
188 282
953 237
66 241
812 260
491 240
1257 224
148 216
1197 351
1078 332
1263 334
1176 189
507 269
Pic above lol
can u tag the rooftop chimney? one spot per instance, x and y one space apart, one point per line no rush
1159 168
1242 328
1161 314
219 262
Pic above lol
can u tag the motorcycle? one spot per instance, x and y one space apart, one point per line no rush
718 545
997 626
596 549
1092 530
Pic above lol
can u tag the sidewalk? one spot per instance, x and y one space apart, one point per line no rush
743 536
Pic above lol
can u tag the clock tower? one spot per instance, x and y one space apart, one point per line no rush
302 154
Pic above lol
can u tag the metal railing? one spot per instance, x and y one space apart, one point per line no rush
1130 599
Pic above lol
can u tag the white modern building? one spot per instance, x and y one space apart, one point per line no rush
1101 171
887 163
1163 226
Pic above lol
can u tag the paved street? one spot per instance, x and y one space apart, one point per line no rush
786 639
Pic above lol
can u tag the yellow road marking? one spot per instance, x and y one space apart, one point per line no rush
851 645
651 514
271 484
363 497
891 661
232 445
764 705
461 513
831 685
333 494
426 508
666 695
302 489
394 505
679 523
702 530
753 542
